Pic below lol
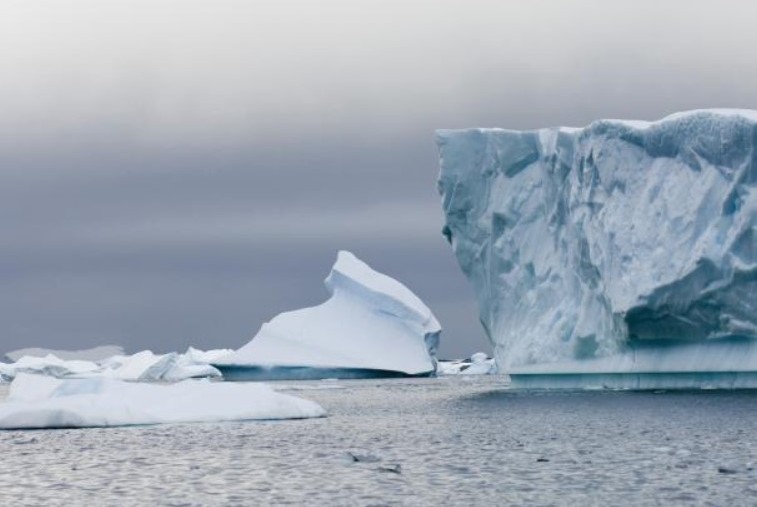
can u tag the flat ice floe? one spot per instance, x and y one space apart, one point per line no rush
371 326
37 402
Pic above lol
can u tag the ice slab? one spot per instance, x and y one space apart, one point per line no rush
371 326
37 401
49 365
478 364
584 244
197 356
144 366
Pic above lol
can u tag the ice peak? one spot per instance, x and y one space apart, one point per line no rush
355 276
371 325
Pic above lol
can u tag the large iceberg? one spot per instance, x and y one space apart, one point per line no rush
371 326
37 401
625 247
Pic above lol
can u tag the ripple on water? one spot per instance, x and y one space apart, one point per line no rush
418 442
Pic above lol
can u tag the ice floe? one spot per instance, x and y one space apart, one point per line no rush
37 401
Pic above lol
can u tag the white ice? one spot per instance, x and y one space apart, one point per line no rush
37 401
93 354
623 240
48 365
478 364
144 366
370 322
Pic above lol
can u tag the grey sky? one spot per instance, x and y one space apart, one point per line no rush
175 173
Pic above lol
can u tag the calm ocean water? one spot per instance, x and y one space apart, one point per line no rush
447 441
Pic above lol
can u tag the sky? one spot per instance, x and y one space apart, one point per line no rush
176 173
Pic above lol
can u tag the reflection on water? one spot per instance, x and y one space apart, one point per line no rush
449 441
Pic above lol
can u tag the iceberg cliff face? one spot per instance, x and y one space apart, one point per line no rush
583 244
372 325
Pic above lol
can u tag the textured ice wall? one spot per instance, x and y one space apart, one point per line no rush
582 243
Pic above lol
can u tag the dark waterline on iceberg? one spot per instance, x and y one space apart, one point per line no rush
238 373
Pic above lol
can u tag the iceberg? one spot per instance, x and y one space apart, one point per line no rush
197 356
478 364
7 372
625 250
371 326
144 366
95 354
38 401
48 365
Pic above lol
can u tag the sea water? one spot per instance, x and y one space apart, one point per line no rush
444 441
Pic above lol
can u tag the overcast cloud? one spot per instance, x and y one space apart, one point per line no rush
176 173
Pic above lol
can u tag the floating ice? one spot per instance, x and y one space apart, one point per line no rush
6 373
627 240
36 401
478 364
95 354
197 356
49 365
371 326
144 366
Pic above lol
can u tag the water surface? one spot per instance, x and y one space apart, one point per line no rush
448 441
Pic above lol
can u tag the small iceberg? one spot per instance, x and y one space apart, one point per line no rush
372 326
95 354
48 365
37 402
478 364
144 366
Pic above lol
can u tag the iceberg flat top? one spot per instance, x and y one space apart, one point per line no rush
370 322
35 401
749 115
